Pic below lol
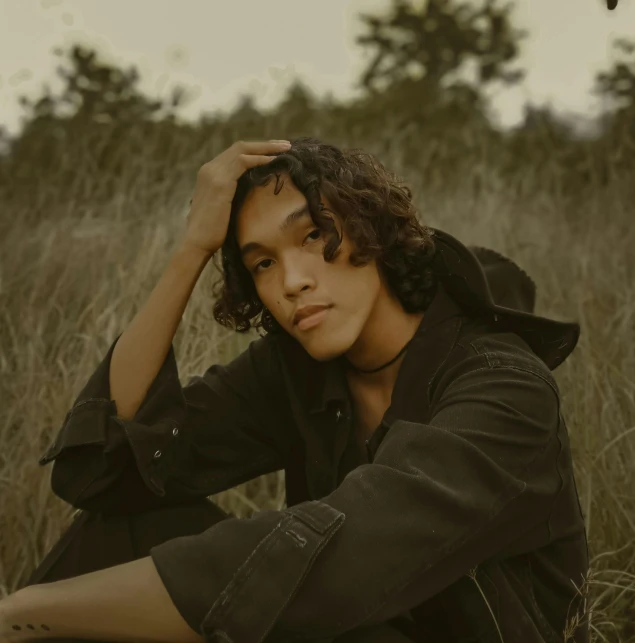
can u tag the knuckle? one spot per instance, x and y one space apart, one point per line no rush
214 180
208 172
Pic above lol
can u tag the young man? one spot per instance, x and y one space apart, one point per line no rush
430 488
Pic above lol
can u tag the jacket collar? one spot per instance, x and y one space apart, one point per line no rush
482 281
469 283
332 386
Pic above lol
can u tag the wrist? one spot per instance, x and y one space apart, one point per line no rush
188 248
18 620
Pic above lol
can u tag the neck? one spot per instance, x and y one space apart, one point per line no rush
384 335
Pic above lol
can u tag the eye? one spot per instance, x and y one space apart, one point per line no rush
258 266
313 232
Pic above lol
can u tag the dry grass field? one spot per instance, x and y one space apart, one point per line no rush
72 281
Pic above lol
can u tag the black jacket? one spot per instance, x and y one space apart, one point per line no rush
461 522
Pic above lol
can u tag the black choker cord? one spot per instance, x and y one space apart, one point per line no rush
394 359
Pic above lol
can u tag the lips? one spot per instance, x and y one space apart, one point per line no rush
307 311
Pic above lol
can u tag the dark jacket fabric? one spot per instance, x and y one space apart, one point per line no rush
460 520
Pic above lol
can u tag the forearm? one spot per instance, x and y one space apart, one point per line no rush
122 603
142 347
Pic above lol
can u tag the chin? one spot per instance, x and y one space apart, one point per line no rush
323 354
327 347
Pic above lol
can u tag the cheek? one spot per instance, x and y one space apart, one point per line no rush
267 300
361 281
272 304
276 308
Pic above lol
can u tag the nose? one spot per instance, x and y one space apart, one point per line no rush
297 278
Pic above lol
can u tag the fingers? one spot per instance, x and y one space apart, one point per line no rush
260 147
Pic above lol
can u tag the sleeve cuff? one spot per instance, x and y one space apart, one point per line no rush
268 556
93 432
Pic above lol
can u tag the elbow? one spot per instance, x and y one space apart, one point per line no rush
72 483
87 484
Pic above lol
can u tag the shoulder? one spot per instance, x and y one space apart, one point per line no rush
484 352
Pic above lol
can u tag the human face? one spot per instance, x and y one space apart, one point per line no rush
289 270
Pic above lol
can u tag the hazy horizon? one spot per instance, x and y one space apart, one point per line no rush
180 44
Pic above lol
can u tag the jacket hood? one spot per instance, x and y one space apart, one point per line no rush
485 281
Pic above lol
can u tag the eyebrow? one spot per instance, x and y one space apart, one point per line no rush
289 220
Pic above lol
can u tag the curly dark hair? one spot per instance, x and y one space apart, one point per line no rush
377 214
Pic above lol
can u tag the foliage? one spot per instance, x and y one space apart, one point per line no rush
434 41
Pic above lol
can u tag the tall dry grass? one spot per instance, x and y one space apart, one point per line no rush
71 283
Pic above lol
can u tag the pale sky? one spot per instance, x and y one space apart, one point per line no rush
223 48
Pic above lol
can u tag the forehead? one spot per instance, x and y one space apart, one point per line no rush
265 206
265 212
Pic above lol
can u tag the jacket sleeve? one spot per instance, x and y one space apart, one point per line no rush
223 428
438 499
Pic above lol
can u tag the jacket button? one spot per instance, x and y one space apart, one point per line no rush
157 454
175 431
338 415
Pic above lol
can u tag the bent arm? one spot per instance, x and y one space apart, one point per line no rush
477 481
223 428
123 603
143 346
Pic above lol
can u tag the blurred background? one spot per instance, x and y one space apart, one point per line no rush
512 123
